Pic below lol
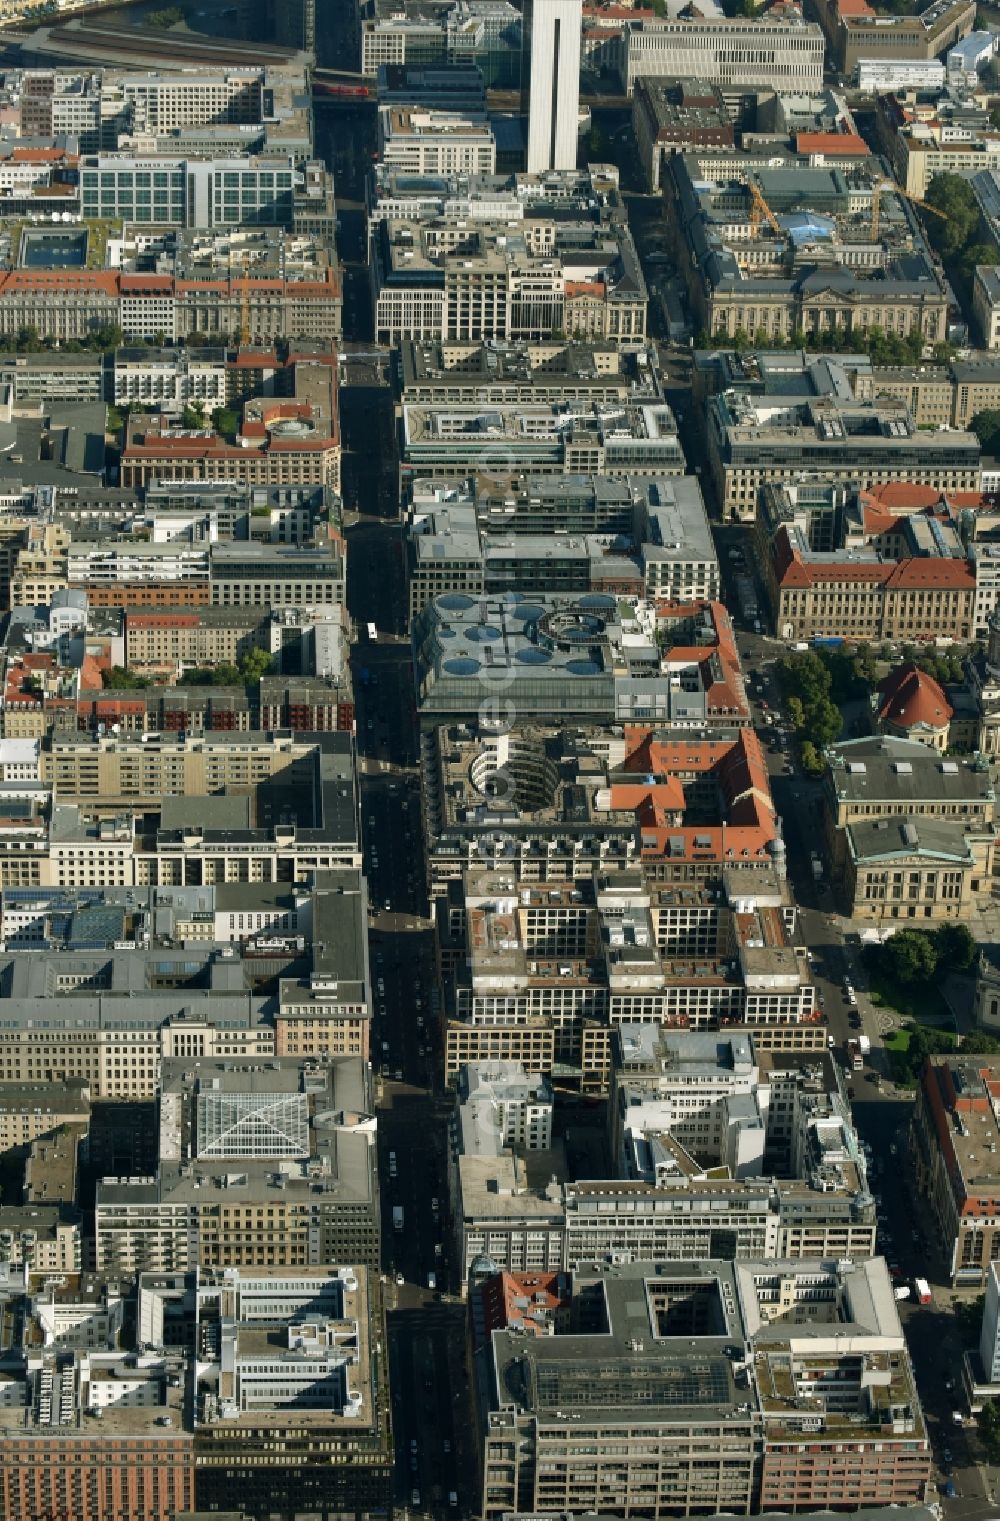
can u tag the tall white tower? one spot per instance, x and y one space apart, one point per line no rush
554 101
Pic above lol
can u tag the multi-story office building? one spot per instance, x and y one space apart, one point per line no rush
104 1395
446 279
592 371
262 282
486 33
445 87
786 53
857 32
93 1433
144 574
297 1349
521 991
989 1336
98 107
876 76
170 380
927 591
454 443
280 443
416 140
202 837
729 1429
670 116
751 443
530 504
58 376
986 304
953 1141
553 789
951 136
675 1195
596 659
292 1144
307 943
31 1110
672 556
501 1105
191 192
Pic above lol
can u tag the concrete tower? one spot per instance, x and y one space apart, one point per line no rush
553 105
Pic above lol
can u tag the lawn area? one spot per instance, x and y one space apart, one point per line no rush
897 1043
921 1002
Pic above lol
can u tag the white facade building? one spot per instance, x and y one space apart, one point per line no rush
170 379
554 102
879 76
501 1105
989 1340
422 142
783 55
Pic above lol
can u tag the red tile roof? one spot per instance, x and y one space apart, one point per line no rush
843 143
748 824
903 494
527 1300
911 698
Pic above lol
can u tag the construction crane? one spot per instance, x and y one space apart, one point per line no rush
759 209
914 201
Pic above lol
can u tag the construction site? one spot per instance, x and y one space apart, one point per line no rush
802 246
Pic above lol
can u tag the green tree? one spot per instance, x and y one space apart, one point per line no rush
255 664
226 422
119 679
865 668
108 336
115 420
825 722
955 228
796 714
978 1043
27 341
909 957
972 256
955 946
226 675
986 426
193 415
813 763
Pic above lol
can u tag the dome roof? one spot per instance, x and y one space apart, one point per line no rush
911 699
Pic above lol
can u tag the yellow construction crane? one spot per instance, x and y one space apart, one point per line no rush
914 201
760 210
